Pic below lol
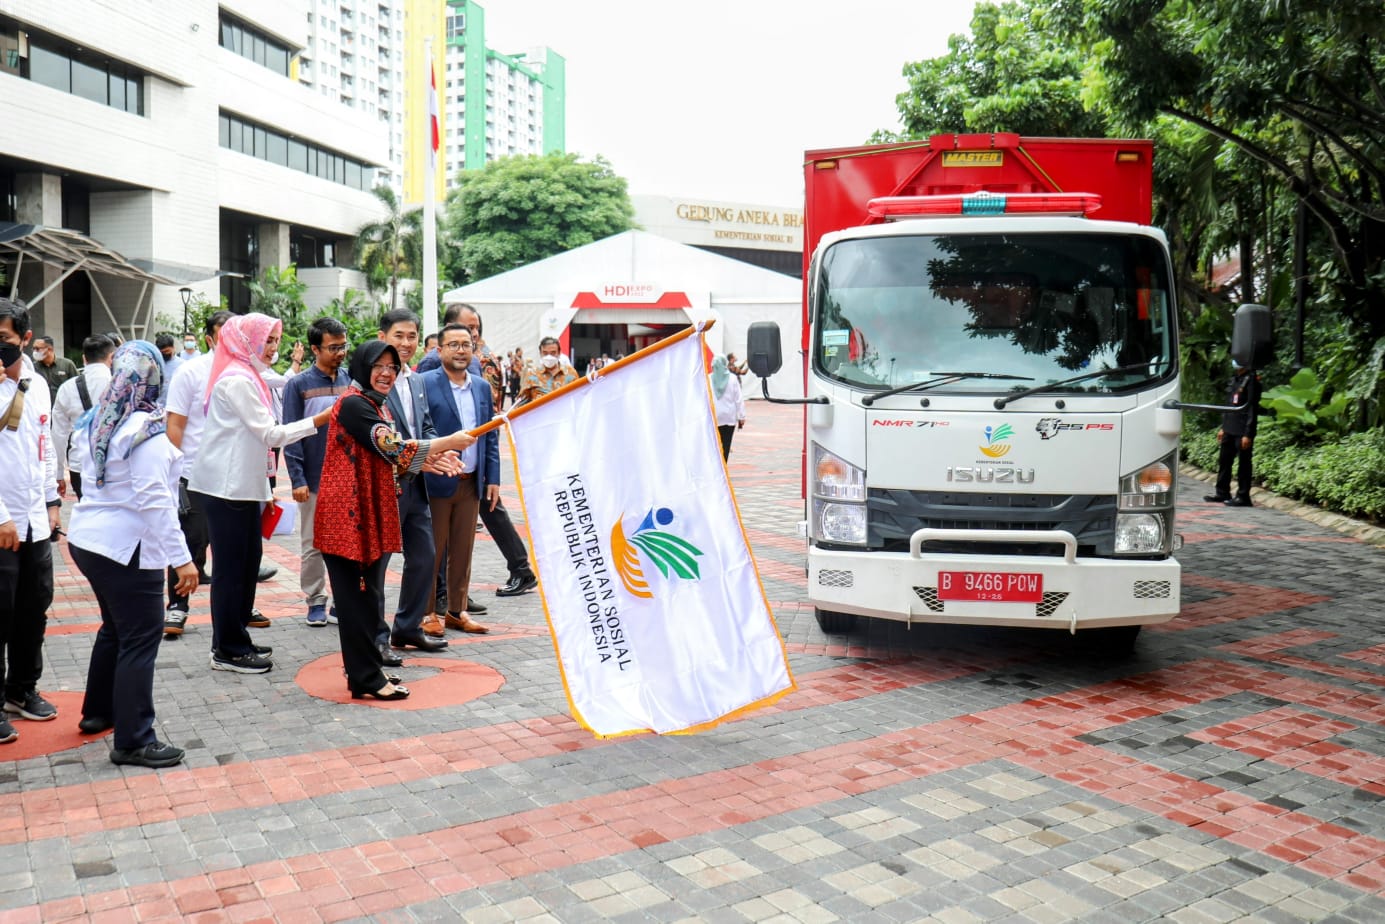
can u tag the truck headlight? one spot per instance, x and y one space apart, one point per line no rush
839 494
836 478
1139 533
841 522
1151 486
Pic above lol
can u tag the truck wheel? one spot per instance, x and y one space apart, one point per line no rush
834 623
1112 640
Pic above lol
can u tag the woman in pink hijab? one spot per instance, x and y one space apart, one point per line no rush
231 475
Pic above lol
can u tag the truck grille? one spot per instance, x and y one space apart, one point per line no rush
894 515
1045 607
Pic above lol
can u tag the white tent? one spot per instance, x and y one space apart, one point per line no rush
648 283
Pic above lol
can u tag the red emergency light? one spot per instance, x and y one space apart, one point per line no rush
892 208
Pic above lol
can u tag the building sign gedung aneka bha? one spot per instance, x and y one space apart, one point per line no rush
722 224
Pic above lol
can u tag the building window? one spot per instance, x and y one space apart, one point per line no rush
248 42
71 70
245 137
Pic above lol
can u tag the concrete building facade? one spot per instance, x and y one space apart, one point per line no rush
176 135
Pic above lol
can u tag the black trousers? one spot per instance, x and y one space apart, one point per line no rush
359 591
194 526
1231 451
26 592
498 524
416 584
234 530
120 676
726 433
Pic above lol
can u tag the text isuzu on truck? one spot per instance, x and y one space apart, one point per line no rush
992 381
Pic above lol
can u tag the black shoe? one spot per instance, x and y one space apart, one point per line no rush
257 620
440 605
175 618
7 732
31 706
263 651
518 584
389 658
1216 498
417 640
250 663
474 608
157 754
266 572
1238 502
399 692
94 725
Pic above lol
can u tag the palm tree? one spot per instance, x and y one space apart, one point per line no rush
384 246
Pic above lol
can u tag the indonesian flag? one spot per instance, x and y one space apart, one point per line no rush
653 599
433 132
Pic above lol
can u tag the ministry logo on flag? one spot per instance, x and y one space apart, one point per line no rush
669 553
658 616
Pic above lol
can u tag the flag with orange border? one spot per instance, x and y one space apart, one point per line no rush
651 592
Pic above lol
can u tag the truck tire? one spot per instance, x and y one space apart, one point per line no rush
834 623
1112 640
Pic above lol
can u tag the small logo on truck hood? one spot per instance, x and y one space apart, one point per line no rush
996 440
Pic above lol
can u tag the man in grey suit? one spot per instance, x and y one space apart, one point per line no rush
409 408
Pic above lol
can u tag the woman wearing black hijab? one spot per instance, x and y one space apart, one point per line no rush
357 521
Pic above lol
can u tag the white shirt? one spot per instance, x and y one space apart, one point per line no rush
27 460
730 405
466 413
238 433
137 506
68 408
185 392
406 398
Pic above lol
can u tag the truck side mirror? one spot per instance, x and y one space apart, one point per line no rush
762 348
1252 337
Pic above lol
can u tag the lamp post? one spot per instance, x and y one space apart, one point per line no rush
186 294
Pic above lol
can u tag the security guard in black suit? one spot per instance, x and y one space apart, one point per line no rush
1237 436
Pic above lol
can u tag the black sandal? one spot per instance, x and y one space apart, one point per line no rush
400 692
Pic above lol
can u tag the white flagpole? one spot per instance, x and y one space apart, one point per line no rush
430 233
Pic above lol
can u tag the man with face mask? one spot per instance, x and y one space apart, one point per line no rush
312 390
51 367
549 375
29 512
172 360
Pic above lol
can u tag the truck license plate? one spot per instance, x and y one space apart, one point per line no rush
992 586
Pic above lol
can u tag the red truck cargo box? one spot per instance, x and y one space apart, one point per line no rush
839 182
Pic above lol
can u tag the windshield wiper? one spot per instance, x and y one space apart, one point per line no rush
943 378
1001 402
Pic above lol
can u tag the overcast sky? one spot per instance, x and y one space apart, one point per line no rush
718 99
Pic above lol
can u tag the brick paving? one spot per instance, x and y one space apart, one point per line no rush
1232 768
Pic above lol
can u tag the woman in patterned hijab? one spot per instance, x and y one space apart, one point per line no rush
124 534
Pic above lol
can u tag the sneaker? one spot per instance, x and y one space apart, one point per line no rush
332 616
157 754
32 707
317 615
257 620
241 664
175 618
264 651
7 732
266 572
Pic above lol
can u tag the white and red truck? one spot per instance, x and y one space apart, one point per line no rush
991 374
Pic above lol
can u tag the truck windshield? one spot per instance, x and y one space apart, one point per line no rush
1046 307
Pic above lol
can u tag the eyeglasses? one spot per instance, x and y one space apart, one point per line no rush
336 348
456 345
385 367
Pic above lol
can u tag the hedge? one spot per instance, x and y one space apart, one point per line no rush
1346 475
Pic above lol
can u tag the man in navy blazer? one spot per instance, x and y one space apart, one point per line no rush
458 400
409 408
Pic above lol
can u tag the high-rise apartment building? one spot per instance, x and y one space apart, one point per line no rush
372 55
176 135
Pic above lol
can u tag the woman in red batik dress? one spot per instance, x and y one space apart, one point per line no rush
357 520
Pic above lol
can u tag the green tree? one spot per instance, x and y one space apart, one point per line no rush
516 210
1010 74
384 247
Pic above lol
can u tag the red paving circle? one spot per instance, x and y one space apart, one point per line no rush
452 683
60 734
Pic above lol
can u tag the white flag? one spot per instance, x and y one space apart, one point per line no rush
653 598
